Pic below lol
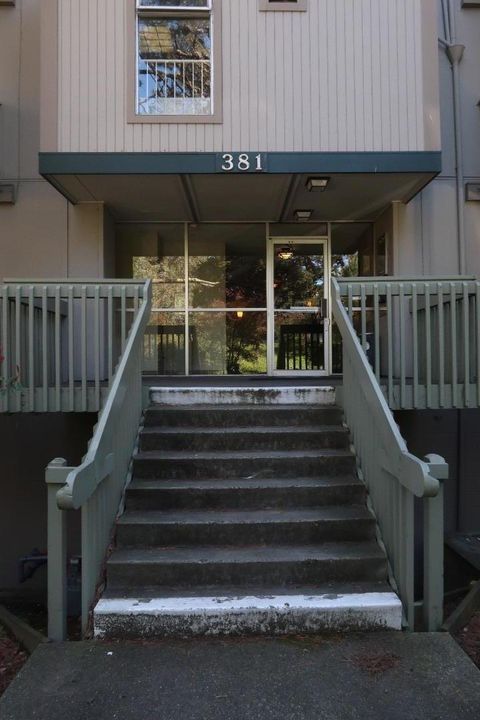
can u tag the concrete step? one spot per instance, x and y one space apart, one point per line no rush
242 415
281 493
269 611
254 565
267 395
256 464
245 527
236 438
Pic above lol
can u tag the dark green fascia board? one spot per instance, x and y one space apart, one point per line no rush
207 163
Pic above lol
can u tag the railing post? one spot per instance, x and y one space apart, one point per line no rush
433 589
55 477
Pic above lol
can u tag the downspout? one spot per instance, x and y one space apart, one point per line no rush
454 52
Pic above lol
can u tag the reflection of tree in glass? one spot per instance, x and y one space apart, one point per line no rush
245 338
345 265
166 45
234 281
298 280
168 274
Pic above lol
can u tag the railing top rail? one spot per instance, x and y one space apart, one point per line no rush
76 289
411 472
406 286
72 281
97 463
406 278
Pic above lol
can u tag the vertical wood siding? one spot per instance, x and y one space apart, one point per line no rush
344 76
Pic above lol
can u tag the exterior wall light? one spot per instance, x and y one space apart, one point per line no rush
239 314
318 184
285 253
303 215
7 194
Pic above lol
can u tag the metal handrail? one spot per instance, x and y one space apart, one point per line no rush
96 486
393 476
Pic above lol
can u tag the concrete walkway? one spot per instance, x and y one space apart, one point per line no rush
385 676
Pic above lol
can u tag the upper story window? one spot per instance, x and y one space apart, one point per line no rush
175 69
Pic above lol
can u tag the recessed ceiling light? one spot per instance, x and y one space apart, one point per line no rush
303 215
318 184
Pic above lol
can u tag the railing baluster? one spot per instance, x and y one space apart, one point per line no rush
466 344
453 327
110 319
363 313
58 358
350 303
45 348
83 344
477 343
18 352
415 344
428 344
123 316
376 334
96 344
31 348
403 385
441 346
390 345
4 350
71 362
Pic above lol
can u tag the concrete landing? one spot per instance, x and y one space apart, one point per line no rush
384 676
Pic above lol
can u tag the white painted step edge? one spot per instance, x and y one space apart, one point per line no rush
268 395
249 614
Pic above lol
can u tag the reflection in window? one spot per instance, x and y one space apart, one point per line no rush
299 342
174 64
233 343
157 253
227 266
164 344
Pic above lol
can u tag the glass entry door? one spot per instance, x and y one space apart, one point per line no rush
298 306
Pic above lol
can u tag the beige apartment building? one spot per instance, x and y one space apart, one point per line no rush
299 180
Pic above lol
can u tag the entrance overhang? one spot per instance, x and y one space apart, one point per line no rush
197 187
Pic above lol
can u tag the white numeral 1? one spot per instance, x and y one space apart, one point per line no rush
259 162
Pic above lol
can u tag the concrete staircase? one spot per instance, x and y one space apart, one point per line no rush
244 517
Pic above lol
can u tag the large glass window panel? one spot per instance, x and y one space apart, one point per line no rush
233 343
164 344
227 266
299 277
157 253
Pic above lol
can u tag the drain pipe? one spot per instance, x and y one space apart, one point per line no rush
454 52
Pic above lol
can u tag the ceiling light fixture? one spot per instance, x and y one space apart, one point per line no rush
285 253
303 215
317 184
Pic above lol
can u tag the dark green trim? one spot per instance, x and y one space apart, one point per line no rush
207 163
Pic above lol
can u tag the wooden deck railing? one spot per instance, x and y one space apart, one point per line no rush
60 342
394 477
421 337
96 486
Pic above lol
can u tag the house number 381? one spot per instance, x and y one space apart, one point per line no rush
243 162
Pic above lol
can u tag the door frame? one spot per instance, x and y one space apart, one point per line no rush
296 240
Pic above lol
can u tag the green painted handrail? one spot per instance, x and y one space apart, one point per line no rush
393 476
97 485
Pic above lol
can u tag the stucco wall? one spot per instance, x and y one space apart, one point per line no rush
40 235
